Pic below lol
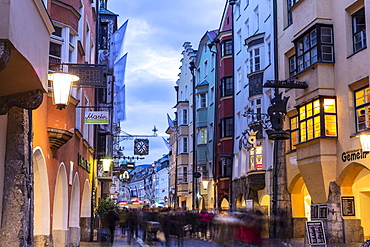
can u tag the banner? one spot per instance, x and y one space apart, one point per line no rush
96 117
116 44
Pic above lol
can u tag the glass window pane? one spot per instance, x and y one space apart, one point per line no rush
326 35
306 43
360 99
293 123
302 113
327 53
307 60
313 37
303 131
361 119
310 129
309 110
329 105
317 126
330 125
367 95
314 55
294 136
316 107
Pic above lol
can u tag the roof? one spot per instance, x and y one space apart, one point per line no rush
104 11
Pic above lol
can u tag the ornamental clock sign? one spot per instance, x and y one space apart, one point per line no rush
141 146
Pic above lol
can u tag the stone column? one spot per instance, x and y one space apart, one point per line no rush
281 222
17 221
334 223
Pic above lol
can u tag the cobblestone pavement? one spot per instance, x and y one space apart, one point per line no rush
190 242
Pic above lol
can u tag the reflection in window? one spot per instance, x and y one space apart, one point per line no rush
362 101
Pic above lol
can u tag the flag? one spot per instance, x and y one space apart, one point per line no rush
119 96
116 44
171 125
168 145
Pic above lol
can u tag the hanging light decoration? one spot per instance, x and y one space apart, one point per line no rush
62 84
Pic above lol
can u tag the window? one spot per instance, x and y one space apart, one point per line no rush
226 127
255 158
257 18
183 147
185 174
240 41
254 60
255 106
247 28
185 116
269 52
205 69
294 134
291 3
58 31
225 167
202 136
362 104
227 48
55 50
202 100
359 30
226 86
318 118
315 46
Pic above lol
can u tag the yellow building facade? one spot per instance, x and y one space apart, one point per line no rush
323 43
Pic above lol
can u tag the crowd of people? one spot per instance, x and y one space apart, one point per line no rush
166 225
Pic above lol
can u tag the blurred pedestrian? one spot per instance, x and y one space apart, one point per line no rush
112 218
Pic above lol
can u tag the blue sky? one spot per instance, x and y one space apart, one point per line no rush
155 34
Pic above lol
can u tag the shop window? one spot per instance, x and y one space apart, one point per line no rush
255 158
362 103
318 118
359 30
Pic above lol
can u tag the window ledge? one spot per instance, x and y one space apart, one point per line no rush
357 52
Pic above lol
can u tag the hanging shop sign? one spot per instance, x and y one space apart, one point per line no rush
141 147
96 117
90 74
348 206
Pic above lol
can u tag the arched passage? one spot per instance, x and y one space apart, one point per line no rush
41 229
60 211
74 215
354 181
85 218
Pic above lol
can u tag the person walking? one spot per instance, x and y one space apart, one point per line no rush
112 218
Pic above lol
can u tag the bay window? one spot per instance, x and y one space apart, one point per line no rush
226 127
226 86
318 118
255 158
316 45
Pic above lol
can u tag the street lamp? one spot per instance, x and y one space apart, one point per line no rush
62 84
233 2
195 173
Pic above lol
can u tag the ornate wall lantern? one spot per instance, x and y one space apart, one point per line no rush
106 164
62 85
365 142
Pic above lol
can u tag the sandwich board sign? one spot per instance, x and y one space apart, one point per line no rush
315 233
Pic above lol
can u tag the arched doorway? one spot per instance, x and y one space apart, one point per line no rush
74 209
85 218
60 211
41 221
